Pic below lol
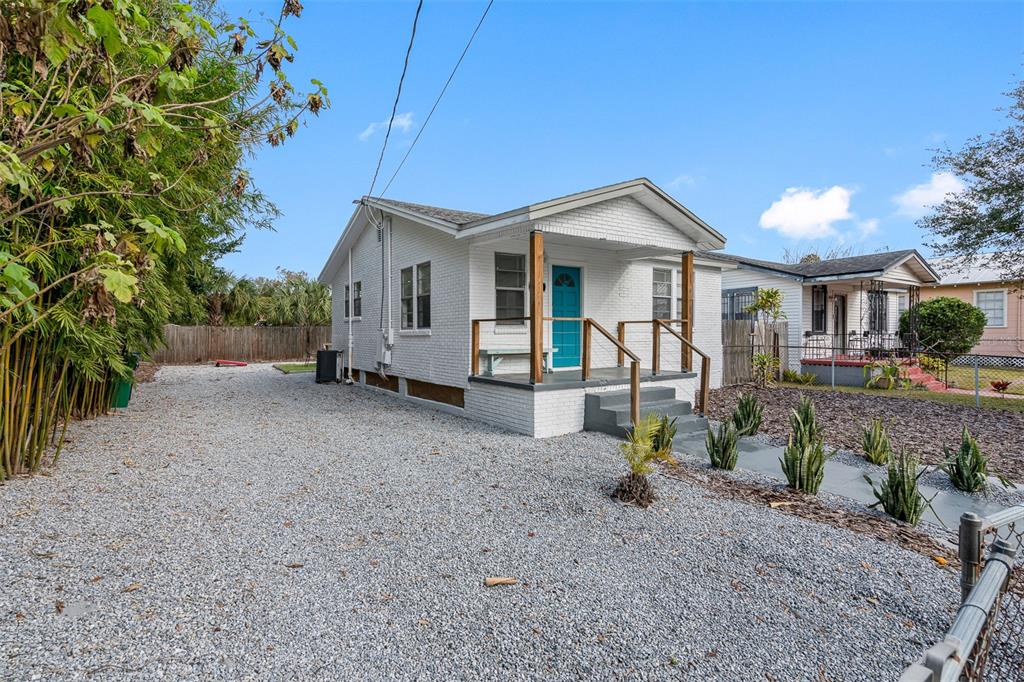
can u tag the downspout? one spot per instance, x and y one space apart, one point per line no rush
351 311
391 331
387 333
1020 318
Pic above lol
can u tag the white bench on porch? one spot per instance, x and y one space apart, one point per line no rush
493 357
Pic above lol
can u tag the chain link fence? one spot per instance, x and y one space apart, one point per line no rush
887 361
986 640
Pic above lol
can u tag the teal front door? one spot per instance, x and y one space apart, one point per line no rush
566 302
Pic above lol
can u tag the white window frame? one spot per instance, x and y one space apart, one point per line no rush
512 326
1005 306
671 290
358 287
415 329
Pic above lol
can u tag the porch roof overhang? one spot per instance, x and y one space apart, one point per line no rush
625 247
694 234
703 236
905 268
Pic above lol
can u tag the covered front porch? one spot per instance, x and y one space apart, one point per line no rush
569 305
858 322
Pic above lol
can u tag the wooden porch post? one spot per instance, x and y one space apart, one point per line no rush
687 311
536 306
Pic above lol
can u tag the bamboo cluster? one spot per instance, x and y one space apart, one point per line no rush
40 392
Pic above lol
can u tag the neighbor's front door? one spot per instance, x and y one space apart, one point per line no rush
566 302
839 324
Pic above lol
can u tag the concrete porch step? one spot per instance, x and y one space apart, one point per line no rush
608 412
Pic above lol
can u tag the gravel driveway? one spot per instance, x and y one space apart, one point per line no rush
238 523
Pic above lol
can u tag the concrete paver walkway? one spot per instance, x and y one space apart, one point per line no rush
843 479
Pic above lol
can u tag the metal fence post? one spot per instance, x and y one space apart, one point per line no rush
833 365
970 552
977 384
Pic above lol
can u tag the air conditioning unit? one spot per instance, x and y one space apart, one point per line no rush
328 366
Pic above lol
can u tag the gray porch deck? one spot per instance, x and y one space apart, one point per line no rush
566 379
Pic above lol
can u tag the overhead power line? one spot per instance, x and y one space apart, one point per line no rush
439 96
398 96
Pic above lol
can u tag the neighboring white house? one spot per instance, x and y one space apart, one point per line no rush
409 280
850 304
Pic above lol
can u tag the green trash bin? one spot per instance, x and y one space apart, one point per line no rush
122 388
122 393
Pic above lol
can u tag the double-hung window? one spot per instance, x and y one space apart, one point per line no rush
662 298
415 293
510 287
423 296
356 300
993 304
819 300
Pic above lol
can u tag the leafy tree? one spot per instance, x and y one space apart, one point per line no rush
124 127
987 215
949 325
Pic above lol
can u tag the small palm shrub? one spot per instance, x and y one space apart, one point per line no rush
803 460
884 375
791 376
722 446
899 494
748 415
967 468
635 486
876 442
807 378
663 436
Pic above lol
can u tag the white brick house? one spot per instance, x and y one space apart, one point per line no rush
415 278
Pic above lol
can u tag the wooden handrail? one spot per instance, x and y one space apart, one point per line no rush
634 365
588 325
632 356
705 361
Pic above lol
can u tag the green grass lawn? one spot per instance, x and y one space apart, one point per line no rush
963 377
296 367
1008 404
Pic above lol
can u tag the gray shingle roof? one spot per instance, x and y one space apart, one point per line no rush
835 267
450 215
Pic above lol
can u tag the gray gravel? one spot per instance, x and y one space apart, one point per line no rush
238 523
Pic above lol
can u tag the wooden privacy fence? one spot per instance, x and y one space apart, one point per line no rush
187 345
738 349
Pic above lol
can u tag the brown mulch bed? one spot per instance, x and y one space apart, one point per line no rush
809 507
145 372
922 426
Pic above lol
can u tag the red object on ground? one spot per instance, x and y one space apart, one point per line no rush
229 363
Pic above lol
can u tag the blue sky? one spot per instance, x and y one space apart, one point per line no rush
781 125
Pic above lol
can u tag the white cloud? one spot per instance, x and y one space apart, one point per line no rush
918 200
803 213
867 227
402 122
683 181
